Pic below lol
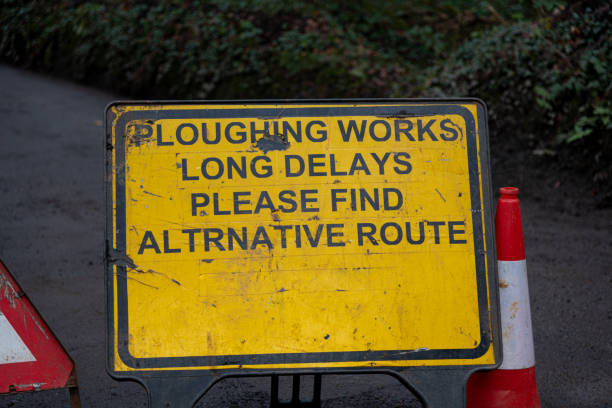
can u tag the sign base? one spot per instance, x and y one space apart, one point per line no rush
434 387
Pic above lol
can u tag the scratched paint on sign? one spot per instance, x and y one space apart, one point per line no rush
298 230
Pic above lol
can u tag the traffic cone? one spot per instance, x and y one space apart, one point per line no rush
513 384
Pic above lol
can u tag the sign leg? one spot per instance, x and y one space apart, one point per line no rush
73 388
75 398
177 392
295 401
437 388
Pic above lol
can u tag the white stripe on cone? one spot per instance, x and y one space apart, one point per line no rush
515 316
12 348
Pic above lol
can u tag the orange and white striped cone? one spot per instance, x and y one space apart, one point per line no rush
513 384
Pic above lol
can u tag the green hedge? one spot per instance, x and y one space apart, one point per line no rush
548 85
543 68
548 82
215 49
244 48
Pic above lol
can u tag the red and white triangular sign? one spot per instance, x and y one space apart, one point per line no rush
31 357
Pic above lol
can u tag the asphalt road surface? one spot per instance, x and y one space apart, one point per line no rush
52 234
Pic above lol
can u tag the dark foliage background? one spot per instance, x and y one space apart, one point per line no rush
542 66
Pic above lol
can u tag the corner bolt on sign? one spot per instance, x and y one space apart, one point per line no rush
293 236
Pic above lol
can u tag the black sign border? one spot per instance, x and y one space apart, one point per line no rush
385 108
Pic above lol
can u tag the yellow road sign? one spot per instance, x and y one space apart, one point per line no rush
280 235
